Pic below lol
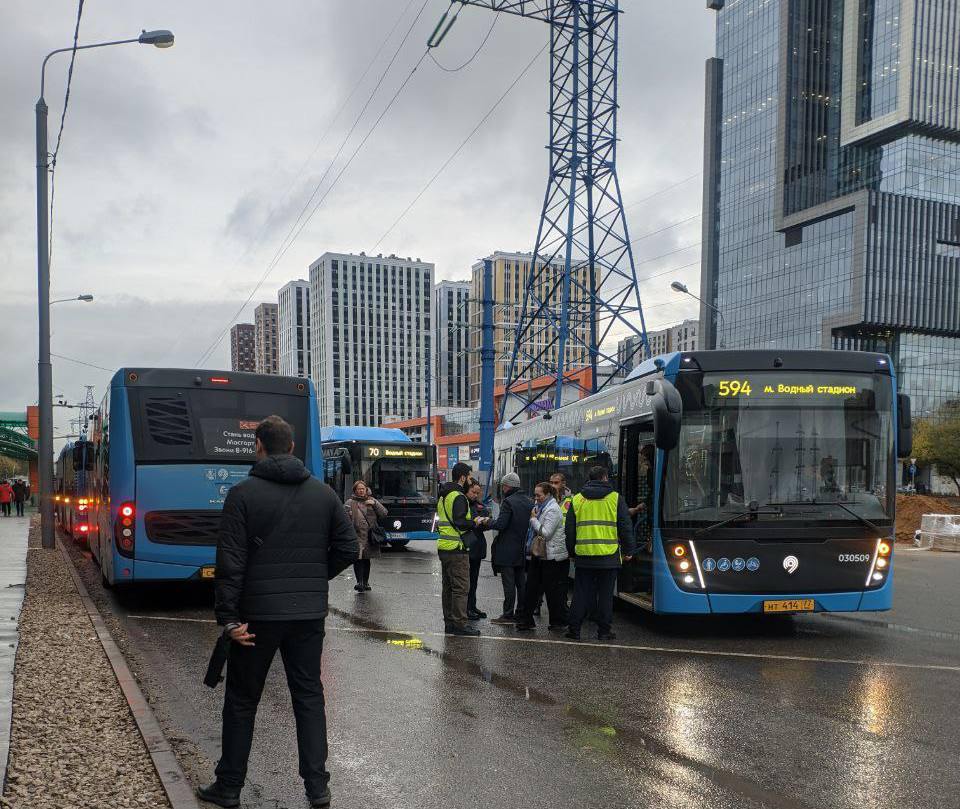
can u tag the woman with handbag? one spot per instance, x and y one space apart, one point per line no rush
549 561
365 512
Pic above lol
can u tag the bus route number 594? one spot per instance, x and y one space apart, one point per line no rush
734 387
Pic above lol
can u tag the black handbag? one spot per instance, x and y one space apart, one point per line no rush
375 533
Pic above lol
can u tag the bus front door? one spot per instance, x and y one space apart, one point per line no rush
637 458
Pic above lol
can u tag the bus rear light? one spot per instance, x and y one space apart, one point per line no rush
83 529
82 507
124 530
219 380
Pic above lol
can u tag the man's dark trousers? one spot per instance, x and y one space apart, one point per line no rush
300 644
593 588
514 582
455 587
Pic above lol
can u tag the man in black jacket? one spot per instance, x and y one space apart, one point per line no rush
283 536
599 535
510 547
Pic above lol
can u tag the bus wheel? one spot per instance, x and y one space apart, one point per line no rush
399 546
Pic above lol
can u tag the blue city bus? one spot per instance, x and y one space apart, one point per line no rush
168 444
772 484
400 473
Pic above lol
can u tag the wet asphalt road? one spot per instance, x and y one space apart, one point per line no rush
815 711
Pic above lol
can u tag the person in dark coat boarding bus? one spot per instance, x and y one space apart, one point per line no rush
509 548
478 548
283 536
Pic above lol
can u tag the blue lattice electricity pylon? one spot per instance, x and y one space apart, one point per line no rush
582 281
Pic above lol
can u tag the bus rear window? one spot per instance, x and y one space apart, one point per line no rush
181 425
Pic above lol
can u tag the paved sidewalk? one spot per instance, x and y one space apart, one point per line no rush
73 741
13 574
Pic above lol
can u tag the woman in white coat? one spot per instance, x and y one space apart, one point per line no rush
548 573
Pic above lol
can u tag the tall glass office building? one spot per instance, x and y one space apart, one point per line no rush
832 182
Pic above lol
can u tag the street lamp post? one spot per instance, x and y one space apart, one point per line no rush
159 39
678 286
84 298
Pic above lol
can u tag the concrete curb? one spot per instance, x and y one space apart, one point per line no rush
175 783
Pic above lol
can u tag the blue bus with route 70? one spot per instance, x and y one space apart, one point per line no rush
767 478
167 446
400 473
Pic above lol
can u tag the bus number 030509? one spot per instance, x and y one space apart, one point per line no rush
734 387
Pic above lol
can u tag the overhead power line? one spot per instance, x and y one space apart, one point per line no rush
476 53
81 362
663 190
460 147
63 118
301 222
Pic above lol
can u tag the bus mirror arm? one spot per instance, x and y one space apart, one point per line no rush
904 426
667 407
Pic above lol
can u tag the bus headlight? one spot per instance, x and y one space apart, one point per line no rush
684 565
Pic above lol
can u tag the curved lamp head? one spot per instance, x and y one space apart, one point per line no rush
85 298
677 286
161 38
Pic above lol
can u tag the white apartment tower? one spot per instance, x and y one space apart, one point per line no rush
452 359
294 328
370 336
265 338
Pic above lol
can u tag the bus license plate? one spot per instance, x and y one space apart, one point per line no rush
789 605
208 572
394 535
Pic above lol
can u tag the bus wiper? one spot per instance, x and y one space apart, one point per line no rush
872 526
752 511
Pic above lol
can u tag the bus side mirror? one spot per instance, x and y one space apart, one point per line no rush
346 465
904 426
667 409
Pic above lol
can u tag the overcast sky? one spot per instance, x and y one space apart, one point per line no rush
181 171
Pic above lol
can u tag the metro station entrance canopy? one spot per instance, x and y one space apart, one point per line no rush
14 439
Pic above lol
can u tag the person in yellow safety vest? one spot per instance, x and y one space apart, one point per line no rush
600 537
455 526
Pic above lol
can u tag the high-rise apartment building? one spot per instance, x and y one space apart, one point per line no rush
831 213
293 326
451 358
370 336
682 337
510 271
243 348
265 337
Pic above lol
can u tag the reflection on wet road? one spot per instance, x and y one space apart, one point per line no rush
817 711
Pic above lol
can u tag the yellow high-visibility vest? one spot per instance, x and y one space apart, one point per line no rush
451 538
596 525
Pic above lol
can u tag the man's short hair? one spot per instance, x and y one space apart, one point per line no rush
461 470
275 435
598 473
560 475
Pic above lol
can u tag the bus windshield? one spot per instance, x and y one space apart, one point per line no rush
797 447
399 479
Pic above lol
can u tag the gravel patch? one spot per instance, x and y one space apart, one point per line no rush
74 742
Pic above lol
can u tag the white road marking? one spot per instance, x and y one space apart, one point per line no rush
624 646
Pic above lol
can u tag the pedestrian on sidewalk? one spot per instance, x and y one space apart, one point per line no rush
365 512
455 526
6 497
478 548
509 548
599 534
283 536
19 496
549 566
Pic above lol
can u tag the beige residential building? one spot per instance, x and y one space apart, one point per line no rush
510 273
266 328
